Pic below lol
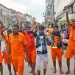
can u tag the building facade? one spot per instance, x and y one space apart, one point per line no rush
59 6
16 17
28 19
49 14
5 15
10 16
60 14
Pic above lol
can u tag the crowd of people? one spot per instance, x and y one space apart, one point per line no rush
31 45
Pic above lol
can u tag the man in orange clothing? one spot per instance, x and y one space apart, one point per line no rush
1 58
5 52
71 44
18 48
30 37
56 48
1 26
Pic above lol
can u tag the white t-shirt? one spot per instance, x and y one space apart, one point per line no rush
40 47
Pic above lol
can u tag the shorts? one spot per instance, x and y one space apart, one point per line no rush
6 60
70 52
43 58
32 56
56 52
1 58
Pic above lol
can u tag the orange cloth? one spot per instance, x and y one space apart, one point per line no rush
31 47
6 60
56 52
72 36
19 64
1 57
72 32
70 52
56 39
17 45
30 41
32 56
17 51
71 44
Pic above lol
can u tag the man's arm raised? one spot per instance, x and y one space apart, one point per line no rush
67 17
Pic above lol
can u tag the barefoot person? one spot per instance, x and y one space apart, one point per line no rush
18 49
1 58
42 53
30 37
56 48
70 52
5 52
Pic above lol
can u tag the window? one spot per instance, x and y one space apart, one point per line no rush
48 13
4 13
71 10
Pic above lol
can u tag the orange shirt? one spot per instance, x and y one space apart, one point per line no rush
71 36
56 39
17 45
1 57
30 40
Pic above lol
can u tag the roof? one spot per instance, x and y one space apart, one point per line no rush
5 7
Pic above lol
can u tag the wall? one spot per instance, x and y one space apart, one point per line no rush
60 4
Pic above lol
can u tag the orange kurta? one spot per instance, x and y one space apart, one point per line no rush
71 44
6 60
18 51
56 52
1 57
31 47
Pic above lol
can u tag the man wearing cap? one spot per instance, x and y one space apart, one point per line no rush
70 52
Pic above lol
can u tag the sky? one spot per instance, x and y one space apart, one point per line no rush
35 8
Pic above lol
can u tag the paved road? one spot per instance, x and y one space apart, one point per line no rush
49 70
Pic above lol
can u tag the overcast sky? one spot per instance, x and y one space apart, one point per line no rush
35 8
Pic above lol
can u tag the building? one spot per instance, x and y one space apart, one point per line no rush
74 7
5 15
27 19
49 14
59 6
16 17
10 16
60 14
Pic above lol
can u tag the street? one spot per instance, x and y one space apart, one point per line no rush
49 70
33 18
